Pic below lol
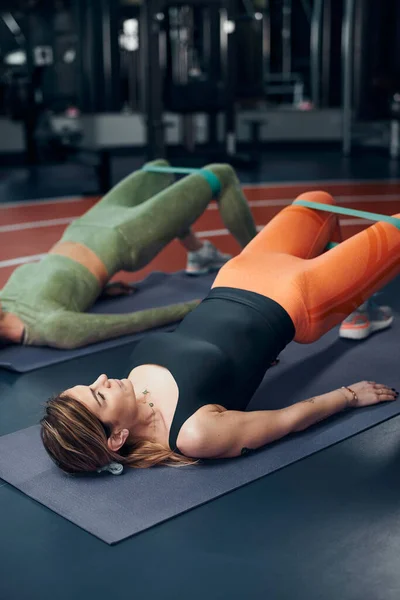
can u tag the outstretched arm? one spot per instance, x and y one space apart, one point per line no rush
232 433
68 330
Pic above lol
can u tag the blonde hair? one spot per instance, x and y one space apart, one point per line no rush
76 440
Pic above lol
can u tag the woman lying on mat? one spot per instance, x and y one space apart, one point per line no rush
42 303
187 392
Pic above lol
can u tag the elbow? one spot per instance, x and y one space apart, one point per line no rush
193 442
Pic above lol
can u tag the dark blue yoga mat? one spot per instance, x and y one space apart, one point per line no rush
114 508
158 289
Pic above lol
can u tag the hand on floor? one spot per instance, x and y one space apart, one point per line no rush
370 392
118 288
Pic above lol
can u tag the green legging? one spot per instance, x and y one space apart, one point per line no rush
126 230
143 213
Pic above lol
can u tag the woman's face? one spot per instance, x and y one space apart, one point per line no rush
112 401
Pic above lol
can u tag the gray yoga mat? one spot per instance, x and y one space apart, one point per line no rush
158 289
114 508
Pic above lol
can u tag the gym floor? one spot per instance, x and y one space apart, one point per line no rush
326 527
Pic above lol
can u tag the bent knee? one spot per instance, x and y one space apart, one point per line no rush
317 196
225 173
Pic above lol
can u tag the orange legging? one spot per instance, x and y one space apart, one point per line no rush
287 263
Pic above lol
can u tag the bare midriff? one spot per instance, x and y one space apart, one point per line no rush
83 255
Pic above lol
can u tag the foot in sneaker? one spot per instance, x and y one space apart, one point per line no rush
205 260
368 318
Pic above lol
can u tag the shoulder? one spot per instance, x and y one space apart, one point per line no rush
195 433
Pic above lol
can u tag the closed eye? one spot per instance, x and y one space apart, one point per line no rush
97 395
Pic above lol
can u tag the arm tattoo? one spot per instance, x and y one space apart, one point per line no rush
311 400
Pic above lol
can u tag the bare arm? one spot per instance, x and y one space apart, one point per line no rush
232 433
68 330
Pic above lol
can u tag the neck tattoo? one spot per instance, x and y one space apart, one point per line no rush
145 392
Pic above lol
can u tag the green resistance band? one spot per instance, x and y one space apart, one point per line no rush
180 170
209 176
340 210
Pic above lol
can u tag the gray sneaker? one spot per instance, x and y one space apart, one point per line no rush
206 260
367 319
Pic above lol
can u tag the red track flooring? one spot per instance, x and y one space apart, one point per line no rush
31 228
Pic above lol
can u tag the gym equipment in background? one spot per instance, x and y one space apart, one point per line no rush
188 66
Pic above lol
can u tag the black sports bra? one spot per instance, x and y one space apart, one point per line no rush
220 352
